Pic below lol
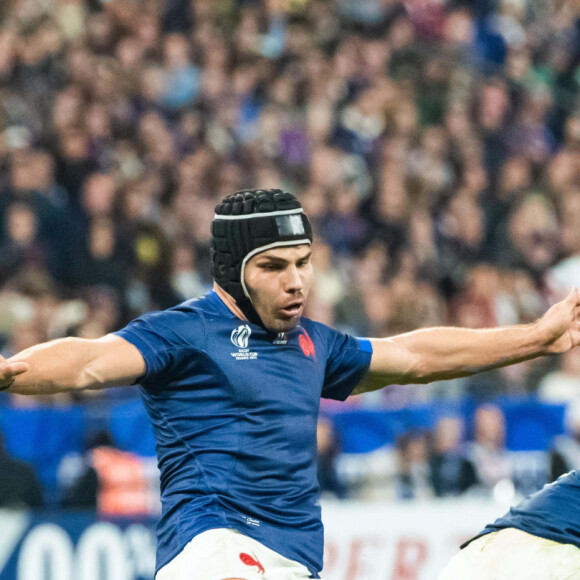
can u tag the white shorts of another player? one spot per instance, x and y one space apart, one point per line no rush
511 554
221 553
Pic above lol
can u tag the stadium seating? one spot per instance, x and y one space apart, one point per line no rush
43 436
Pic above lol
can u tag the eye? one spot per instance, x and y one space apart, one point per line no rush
269 266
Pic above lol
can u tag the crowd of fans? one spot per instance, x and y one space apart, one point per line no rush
435 145
473 456
454 457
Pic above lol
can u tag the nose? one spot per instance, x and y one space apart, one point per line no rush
292 280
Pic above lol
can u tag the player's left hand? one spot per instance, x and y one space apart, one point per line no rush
560 326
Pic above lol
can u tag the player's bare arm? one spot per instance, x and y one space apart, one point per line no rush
432 354
71 363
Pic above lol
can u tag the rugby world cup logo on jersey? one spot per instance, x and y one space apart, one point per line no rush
240 337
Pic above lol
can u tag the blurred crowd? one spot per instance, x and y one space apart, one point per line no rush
471 457
435 145
493 452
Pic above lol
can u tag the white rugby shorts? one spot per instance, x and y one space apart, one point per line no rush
511 554
223 553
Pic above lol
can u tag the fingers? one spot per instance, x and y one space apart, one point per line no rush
18 368
13 369
573 297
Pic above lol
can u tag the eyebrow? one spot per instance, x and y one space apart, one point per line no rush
278 260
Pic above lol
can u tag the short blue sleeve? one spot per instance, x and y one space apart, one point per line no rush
164 339
348 361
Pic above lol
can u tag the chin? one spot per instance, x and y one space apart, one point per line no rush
282 325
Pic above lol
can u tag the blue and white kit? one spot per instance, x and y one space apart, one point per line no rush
552 513
234 411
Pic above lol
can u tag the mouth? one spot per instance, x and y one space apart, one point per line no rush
293 309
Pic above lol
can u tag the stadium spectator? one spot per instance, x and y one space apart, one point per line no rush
562 385
451 472
105 262
328 448
328 287
185 277
22 248
565 450
105 478
19 484
413 479
487 451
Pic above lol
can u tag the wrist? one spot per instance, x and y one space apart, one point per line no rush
543 337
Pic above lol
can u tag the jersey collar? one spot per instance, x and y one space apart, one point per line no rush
214 298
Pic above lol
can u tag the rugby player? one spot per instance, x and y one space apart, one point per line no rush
232 383
539 539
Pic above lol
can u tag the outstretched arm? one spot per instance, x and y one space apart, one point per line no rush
433 354
71 363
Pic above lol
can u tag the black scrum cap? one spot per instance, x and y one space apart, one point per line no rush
247 223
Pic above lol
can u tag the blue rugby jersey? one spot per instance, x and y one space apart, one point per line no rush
234 411
552 513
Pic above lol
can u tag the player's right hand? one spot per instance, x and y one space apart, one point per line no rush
561 324
9 370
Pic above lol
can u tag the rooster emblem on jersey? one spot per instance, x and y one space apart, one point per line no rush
307 345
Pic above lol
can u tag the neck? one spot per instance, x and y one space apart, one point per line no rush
229 301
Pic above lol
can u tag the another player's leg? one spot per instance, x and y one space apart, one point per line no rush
511 554
468 562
